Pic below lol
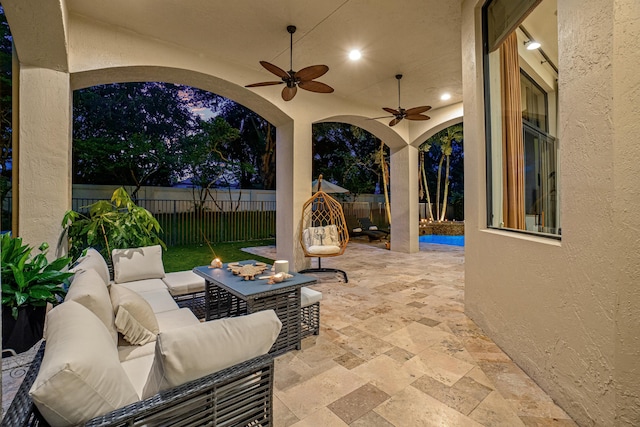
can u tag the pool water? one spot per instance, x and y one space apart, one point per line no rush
442 240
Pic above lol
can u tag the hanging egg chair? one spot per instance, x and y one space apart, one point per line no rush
323 230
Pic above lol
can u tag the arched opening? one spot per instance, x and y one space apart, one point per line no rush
202 164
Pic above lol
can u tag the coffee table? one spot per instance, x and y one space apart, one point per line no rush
227 295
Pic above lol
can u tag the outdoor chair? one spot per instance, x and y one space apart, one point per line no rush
323 230
354 227
369 226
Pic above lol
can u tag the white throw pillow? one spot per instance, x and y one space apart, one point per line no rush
331 237
135 319
137 264
357 230
89 289
373 227
80 377
194 351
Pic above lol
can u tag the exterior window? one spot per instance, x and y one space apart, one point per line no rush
520 116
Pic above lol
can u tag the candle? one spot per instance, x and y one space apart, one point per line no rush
281 266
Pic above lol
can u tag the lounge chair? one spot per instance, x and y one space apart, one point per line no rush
367 225
354 227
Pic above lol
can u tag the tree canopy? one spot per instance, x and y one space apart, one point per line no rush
150 133
346 155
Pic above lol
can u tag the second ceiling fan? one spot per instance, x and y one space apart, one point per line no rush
399 114
303 78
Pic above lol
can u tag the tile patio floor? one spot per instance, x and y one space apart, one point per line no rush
396 349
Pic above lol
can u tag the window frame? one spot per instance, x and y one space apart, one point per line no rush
488 131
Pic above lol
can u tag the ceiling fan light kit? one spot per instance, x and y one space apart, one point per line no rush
305 78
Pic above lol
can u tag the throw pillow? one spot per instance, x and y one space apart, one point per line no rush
80 377
357 230
135 319
373 227
331 236
137 264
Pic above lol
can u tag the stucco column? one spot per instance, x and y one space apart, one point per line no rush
293 188
404 199
44 167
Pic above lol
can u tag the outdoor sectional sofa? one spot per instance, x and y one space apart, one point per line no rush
123 353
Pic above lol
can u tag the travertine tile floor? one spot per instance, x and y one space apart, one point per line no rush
396 349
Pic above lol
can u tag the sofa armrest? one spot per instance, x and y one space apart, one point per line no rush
241 394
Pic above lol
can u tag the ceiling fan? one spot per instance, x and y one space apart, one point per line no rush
303 78
399 114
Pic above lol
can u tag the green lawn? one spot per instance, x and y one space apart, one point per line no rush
180 258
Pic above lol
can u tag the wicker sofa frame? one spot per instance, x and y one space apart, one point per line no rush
241 395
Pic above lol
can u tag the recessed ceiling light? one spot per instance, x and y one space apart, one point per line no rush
445 96
355 54
532 45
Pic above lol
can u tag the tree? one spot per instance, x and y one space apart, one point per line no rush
254 150
381 160
6 87
133 161
204 159
346 155
126 133
441 147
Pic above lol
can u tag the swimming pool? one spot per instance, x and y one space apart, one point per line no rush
442 240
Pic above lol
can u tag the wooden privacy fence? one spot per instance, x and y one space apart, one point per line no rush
185 222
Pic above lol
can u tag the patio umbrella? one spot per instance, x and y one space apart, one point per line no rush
328 187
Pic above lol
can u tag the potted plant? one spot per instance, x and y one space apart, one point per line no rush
115 224
28 283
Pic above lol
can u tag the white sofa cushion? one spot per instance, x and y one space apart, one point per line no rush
89 289
309 296
145 285
92 260
137 264
174 319
183 282
160 300
135 319
191 352
137 371
167 320
80 377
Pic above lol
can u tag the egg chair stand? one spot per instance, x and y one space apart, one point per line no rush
323 230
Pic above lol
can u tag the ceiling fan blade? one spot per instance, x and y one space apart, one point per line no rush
312 72
391 111
275 69
394 122
314 86
264 84
381 117
289 92
418 110
416 117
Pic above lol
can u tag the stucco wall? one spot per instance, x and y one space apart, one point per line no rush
567 311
